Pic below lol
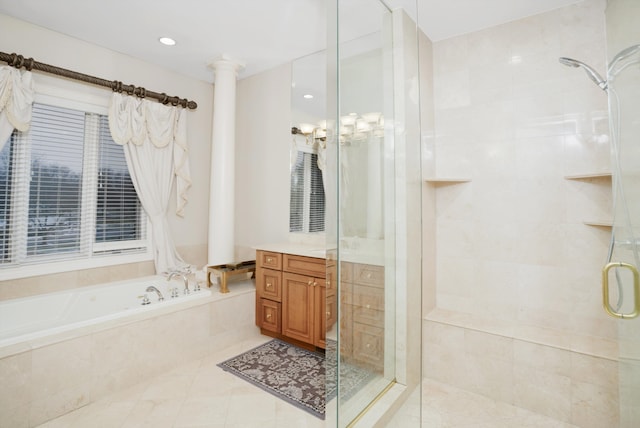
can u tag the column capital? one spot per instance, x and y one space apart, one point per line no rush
226 63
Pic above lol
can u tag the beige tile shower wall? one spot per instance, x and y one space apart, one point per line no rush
511 243
50 381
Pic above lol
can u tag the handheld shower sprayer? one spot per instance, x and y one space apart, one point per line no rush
622 55
611 70
593 75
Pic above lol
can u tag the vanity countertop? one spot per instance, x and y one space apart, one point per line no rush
294 248
347 255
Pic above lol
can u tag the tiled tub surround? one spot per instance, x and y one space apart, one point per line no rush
46 377
26 319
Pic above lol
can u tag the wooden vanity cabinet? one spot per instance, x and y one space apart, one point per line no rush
294 289
269 291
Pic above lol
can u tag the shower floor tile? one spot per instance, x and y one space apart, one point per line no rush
445 406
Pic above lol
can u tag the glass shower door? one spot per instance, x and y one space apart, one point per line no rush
622 296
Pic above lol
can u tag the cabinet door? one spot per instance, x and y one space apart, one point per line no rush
326 313
298 300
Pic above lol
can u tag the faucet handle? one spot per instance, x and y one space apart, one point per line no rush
174 292
145 300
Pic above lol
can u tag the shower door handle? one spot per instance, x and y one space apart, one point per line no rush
636 290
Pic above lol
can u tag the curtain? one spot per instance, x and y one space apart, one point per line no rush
16 99
155 144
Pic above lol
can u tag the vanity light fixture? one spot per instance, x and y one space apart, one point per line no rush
168 41
353 127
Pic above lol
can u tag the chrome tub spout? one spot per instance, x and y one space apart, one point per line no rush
152 288
184 278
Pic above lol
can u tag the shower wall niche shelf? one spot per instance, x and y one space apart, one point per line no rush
599 223
587 176
590 176
449 180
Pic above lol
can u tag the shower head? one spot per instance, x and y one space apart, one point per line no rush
593 75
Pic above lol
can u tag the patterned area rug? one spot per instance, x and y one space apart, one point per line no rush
296 375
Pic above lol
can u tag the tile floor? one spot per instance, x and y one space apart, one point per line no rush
200 394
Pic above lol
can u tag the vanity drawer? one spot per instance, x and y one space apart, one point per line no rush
368 346
304 265
269 315
368 305
267 259
269 284
368 275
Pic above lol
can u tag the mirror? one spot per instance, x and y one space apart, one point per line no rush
308 110
361 138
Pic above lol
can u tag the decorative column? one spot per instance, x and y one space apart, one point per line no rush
222 185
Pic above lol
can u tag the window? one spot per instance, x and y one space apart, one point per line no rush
65 192
306 209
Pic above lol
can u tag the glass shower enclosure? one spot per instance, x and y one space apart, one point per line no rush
373 205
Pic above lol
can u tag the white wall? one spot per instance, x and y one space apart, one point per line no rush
189 233
263 140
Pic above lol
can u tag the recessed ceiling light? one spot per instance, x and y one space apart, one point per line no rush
308 96
167 41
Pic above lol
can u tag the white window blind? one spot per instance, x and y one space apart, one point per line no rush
306 208
119 212
65 191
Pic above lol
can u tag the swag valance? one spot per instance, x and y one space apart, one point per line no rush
16 100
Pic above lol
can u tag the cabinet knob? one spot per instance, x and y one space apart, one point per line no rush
369 275
269 285
268 316
368 345
368 306
328 314
310 283
328 283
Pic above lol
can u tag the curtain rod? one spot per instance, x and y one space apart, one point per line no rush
18 61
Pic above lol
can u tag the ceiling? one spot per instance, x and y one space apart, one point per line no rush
260 33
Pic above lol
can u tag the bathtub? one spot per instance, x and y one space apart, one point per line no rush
65 350
47 315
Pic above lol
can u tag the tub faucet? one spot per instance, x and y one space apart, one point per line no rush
184 278
152 288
